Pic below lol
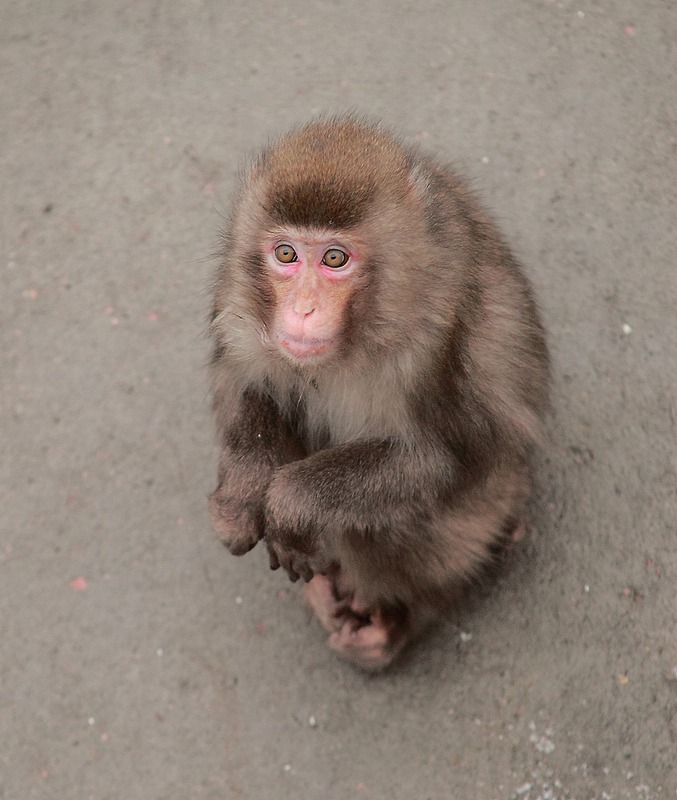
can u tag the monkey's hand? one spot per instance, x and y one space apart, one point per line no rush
239 524
288 551
292 538
256 440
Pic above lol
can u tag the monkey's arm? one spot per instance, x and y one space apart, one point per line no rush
255 441
345 496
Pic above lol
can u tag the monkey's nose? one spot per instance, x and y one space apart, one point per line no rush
304 310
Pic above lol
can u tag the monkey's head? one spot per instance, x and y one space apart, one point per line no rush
321 216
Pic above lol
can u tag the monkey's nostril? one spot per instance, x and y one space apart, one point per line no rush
303 310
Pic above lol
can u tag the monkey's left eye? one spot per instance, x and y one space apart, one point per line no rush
285 254
335 258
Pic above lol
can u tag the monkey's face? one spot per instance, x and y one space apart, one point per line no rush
313 274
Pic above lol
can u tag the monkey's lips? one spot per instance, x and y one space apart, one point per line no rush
303 347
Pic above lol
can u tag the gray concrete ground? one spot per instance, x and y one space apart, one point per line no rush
140 660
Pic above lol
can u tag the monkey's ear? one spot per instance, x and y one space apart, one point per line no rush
419 182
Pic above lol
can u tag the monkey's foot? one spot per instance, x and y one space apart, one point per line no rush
370 640
370 643
332 611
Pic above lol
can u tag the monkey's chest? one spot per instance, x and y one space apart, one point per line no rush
350 412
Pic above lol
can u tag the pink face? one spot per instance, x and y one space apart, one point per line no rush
313 279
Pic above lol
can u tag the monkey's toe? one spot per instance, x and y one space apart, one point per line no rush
319 596
372 645
332 611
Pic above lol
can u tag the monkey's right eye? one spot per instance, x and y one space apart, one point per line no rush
285 254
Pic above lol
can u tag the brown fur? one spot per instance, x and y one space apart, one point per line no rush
400 462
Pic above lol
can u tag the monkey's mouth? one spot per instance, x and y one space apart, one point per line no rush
302 347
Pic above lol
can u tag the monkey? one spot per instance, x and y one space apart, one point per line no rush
379 378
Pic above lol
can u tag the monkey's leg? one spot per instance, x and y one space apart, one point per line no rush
461 542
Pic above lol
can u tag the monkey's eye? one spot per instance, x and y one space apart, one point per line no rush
285 254
335 258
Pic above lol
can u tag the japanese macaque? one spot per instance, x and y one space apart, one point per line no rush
379 380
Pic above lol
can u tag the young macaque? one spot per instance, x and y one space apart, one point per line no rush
379 381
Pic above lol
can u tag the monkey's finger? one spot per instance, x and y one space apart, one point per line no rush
284 560
272 555
293 575
300 565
